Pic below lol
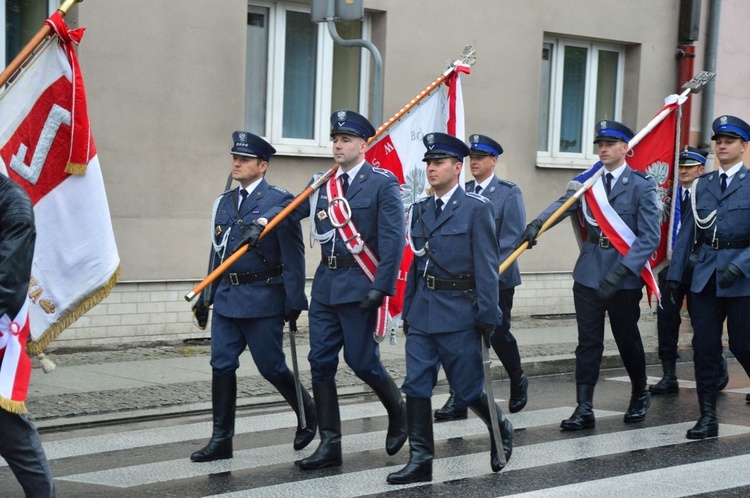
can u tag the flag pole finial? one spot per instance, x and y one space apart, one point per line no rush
67 5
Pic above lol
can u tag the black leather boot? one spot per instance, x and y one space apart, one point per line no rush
519 387
668 383
482 409
328 453
723 374
640 400
708 424
288 390
421 444
451 411
390 396
223 403
583 416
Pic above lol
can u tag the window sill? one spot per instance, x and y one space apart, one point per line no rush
302 150
568 163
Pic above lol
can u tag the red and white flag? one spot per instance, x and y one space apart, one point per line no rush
46 146
401 151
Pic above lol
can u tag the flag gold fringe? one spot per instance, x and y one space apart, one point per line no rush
36 347
13 406
75 169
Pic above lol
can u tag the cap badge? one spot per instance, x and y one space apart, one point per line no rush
341 115
242 136
602 124
475 139
430 138
723 120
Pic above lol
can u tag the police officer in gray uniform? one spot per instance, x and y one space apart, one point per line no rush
607 281
261 290
720 284
357 270
450 304
510 220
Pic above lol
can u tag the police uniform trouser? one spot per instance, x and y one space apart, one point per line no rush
343 325
624 311
230 337
668 317
709 313
458 352
21 447
503 342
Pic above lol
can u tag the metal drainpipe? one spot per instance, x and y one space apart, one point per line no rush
707 104
377 84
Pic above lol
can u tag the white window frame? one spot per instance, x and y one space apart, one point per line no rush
553 157
320 144
52 6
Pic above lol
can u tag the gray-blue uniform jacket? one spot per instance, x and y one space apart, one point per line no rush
633 197
378 213
282 246
732 223
463 241
510 221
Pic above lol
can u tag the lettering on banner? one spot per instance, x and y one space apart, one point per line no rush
57 116
35 292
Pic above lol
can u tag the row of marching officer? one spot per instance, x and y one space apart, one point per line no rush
357 216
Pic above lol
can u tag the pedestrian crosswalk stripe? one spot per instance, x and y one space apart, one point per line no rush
150 473
671 482
688 384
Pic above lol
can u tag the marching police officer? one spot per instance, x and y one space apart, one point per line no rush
451 297
358 219
510 220
720 283
607 281
261 290
691 163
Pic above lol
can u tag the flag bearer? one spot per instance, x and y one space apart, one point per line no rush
606 280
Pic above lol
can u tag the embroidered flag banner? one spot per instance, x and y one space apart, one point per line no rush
46 146
401 151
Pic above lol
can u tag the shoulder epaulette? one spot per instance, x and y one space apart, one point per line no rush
476 196
422 199
507 183
642 174
383 172
279 189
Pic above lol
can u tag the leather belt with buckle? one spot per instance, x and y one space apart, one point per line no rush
440 284
730 244
599 240
336 262
243 278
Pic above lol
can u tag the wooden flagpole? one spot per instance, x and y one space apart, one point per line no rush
33 44
467 57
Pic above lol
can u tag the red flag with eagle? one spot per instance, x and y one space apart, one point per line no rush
401 151
47 148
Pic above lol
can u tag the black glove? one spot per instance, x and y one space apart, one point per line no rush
530 233
406 327
612 281
251 234
672 287
729 276
372 300
485 331
200 312
291 314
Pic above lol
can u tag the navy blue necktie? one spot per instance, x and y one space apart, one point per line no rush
723 182
477 189
608 183
243 196
438 208
344 182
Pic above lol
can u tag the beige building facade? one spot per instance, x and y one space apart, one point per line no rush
168 81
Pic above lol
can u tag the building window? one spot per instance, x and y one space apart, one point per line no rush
296 76
21 20
581 83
